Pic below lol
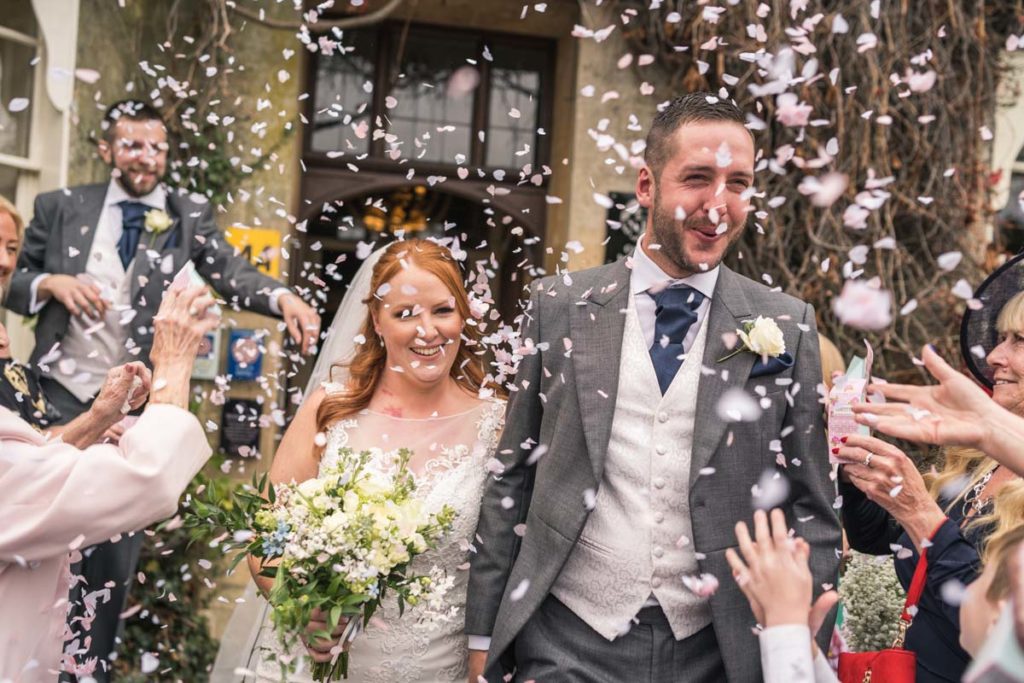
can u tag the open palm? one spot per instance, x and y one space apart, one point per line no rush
944 414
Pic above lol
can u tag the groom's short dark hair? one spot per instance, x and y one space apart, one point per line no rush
127 110
691 108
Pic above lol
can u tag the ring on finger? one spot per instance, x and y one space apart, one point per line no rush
867 459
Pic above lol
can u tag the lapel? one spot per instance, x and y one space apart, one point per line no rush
84 206
729 308
142 269
596 329
174 209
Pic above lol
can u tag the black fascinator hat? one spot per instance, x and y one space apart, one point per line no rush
978 331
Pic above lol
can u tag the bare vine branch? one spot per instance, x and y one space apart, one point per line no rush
938 198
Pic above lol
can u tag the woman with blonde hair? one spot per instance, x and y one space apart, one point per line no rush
888 507
405 369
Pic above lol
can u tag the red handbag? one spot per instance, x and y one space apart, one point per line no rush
895 664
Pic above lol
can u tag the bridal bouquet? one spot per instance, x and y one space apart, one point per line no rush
338 543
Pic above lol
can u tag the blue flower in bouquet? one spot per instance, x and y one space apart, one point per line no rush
273 543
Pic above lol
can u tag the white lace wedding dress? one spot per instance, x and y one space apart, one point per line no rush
450 456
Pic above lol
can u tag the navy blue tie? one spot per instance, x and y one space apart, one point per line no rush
676 311
133 217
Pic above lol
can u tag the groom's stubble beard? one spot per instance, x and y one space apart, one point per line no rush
668 234
131 188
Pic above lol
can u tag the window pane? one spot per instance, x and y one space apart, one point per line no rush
514 106
344 96
8 182
16 73
18 15
427 121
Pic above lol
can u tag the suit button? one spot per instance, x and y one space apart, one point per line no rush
660 450
663 416
659 518
655 582
659 483
658 552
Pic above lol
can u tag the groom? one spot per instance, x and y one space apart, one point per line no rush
628 459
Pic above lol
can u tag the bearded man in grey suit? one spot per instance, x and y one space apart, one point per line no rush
629 455
95 263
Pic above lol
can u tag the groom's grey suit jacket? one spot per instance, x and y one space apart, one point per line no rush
565 401
60 236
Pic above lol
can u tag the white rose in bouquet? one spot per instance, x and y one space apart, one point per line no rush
311 487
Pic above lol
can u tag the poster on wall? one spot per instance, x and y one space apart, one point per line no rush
245 356
260 246
240 427
207 362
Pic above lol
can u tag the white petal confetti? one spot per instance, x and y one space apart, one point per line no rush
949 260
771 490
862 306
736 405
519 591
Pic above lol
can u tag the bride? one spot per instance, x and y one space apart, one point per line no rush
415 380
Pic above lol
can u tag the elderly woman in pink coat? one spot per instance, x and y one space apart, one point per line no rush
58 498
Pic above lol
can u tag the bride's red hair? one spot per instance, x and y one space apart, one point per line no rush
367 365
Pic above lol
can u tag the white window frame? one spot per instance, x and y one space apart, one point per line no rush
49 147
29 167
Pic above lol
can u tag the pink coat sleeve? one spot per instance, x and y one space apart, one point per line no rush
57 498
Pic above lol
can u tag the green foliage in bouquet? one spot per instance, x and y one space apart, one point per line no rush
335 545
873 600
170 624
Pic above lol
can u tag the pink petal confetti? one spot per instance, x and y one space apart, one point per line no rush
863 306
88 76
703 586
790 112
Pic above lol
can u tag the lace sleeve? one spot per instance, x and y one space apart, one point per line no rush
492 422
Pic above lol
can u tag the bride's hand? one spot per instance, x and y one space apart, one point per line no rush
320 649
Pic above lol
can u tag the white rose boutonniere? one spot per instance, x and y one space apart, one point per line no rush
157 222
761 337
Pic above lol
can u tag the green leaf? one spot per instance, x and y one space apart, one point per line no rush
335 616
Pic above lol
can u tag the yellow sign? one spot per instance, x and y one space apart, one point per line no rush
261 246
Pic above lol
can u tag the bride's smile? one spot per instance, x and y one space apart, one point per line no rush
420 326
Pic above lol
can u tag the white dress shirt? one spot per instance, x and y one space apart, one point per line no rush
647 277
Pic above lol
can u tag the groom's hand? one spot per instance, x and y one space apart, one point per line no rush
477 662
